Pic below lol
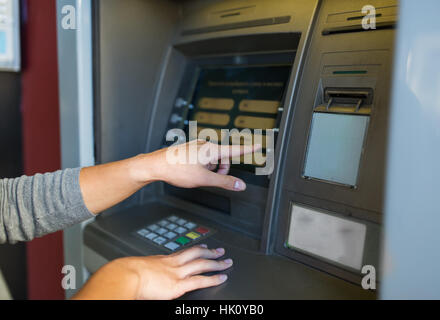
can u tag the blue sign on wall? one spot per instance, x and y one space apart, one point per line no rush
2 42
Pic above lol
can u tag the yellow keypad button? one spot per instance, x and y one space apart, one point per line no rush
193 235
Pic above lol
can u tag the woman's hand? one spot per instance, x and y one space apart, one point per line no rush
157 277
194 164
187 165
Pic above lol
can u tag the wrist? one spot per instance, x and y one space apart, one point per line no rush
144 170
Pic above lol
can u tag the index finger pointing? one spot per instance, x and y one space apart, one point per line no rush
236 150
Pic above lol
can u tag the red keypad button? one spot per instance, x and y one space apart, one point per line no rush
202 230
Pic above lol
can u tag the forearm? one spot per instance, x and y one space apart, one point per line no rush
106 185
113 281
31 207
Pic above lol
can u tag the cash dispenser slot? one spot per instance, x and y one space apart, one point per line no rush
346 100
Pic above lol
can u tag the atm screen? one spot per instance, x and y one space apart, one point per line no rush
239 97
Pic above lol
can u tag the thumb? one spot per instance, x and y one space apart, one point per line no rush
225 182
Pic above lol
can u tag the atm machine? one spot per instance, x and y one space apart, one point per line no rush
307 69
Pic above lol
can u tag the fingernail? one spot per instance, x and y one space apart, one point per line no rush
239 185
204 245
228 261
220 250
223 277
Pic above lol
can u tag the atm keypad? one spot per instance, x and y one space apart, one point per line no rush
173 232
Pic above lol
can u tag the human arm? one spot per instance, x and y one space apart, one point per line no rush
31 207
105 185
156 277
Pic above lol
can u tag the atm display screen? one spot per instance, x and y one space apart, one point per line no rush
239 98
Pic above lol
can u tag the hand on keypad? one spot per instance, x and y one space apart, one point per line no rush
157 277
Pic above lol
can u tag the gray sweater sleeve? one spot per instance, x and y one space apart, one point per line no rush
31 207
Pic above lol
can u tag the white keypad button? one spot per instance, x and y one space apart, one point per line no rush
151 236
153 227
173 218
161 231
172 246
160 240
143 232
170 235
163 223
190 225
180 230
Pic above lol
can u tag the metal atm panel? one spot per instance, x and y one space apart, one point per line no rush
334 167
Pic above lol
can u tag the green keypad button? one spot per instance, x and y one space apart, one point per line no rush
182 240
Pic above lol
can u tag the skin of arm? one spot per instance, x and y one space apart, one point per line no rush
159 277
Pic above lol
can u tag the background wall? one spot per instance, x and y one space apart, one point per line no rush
41 136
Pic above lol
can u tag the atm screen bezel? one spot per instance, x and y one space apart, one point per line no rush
191 74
